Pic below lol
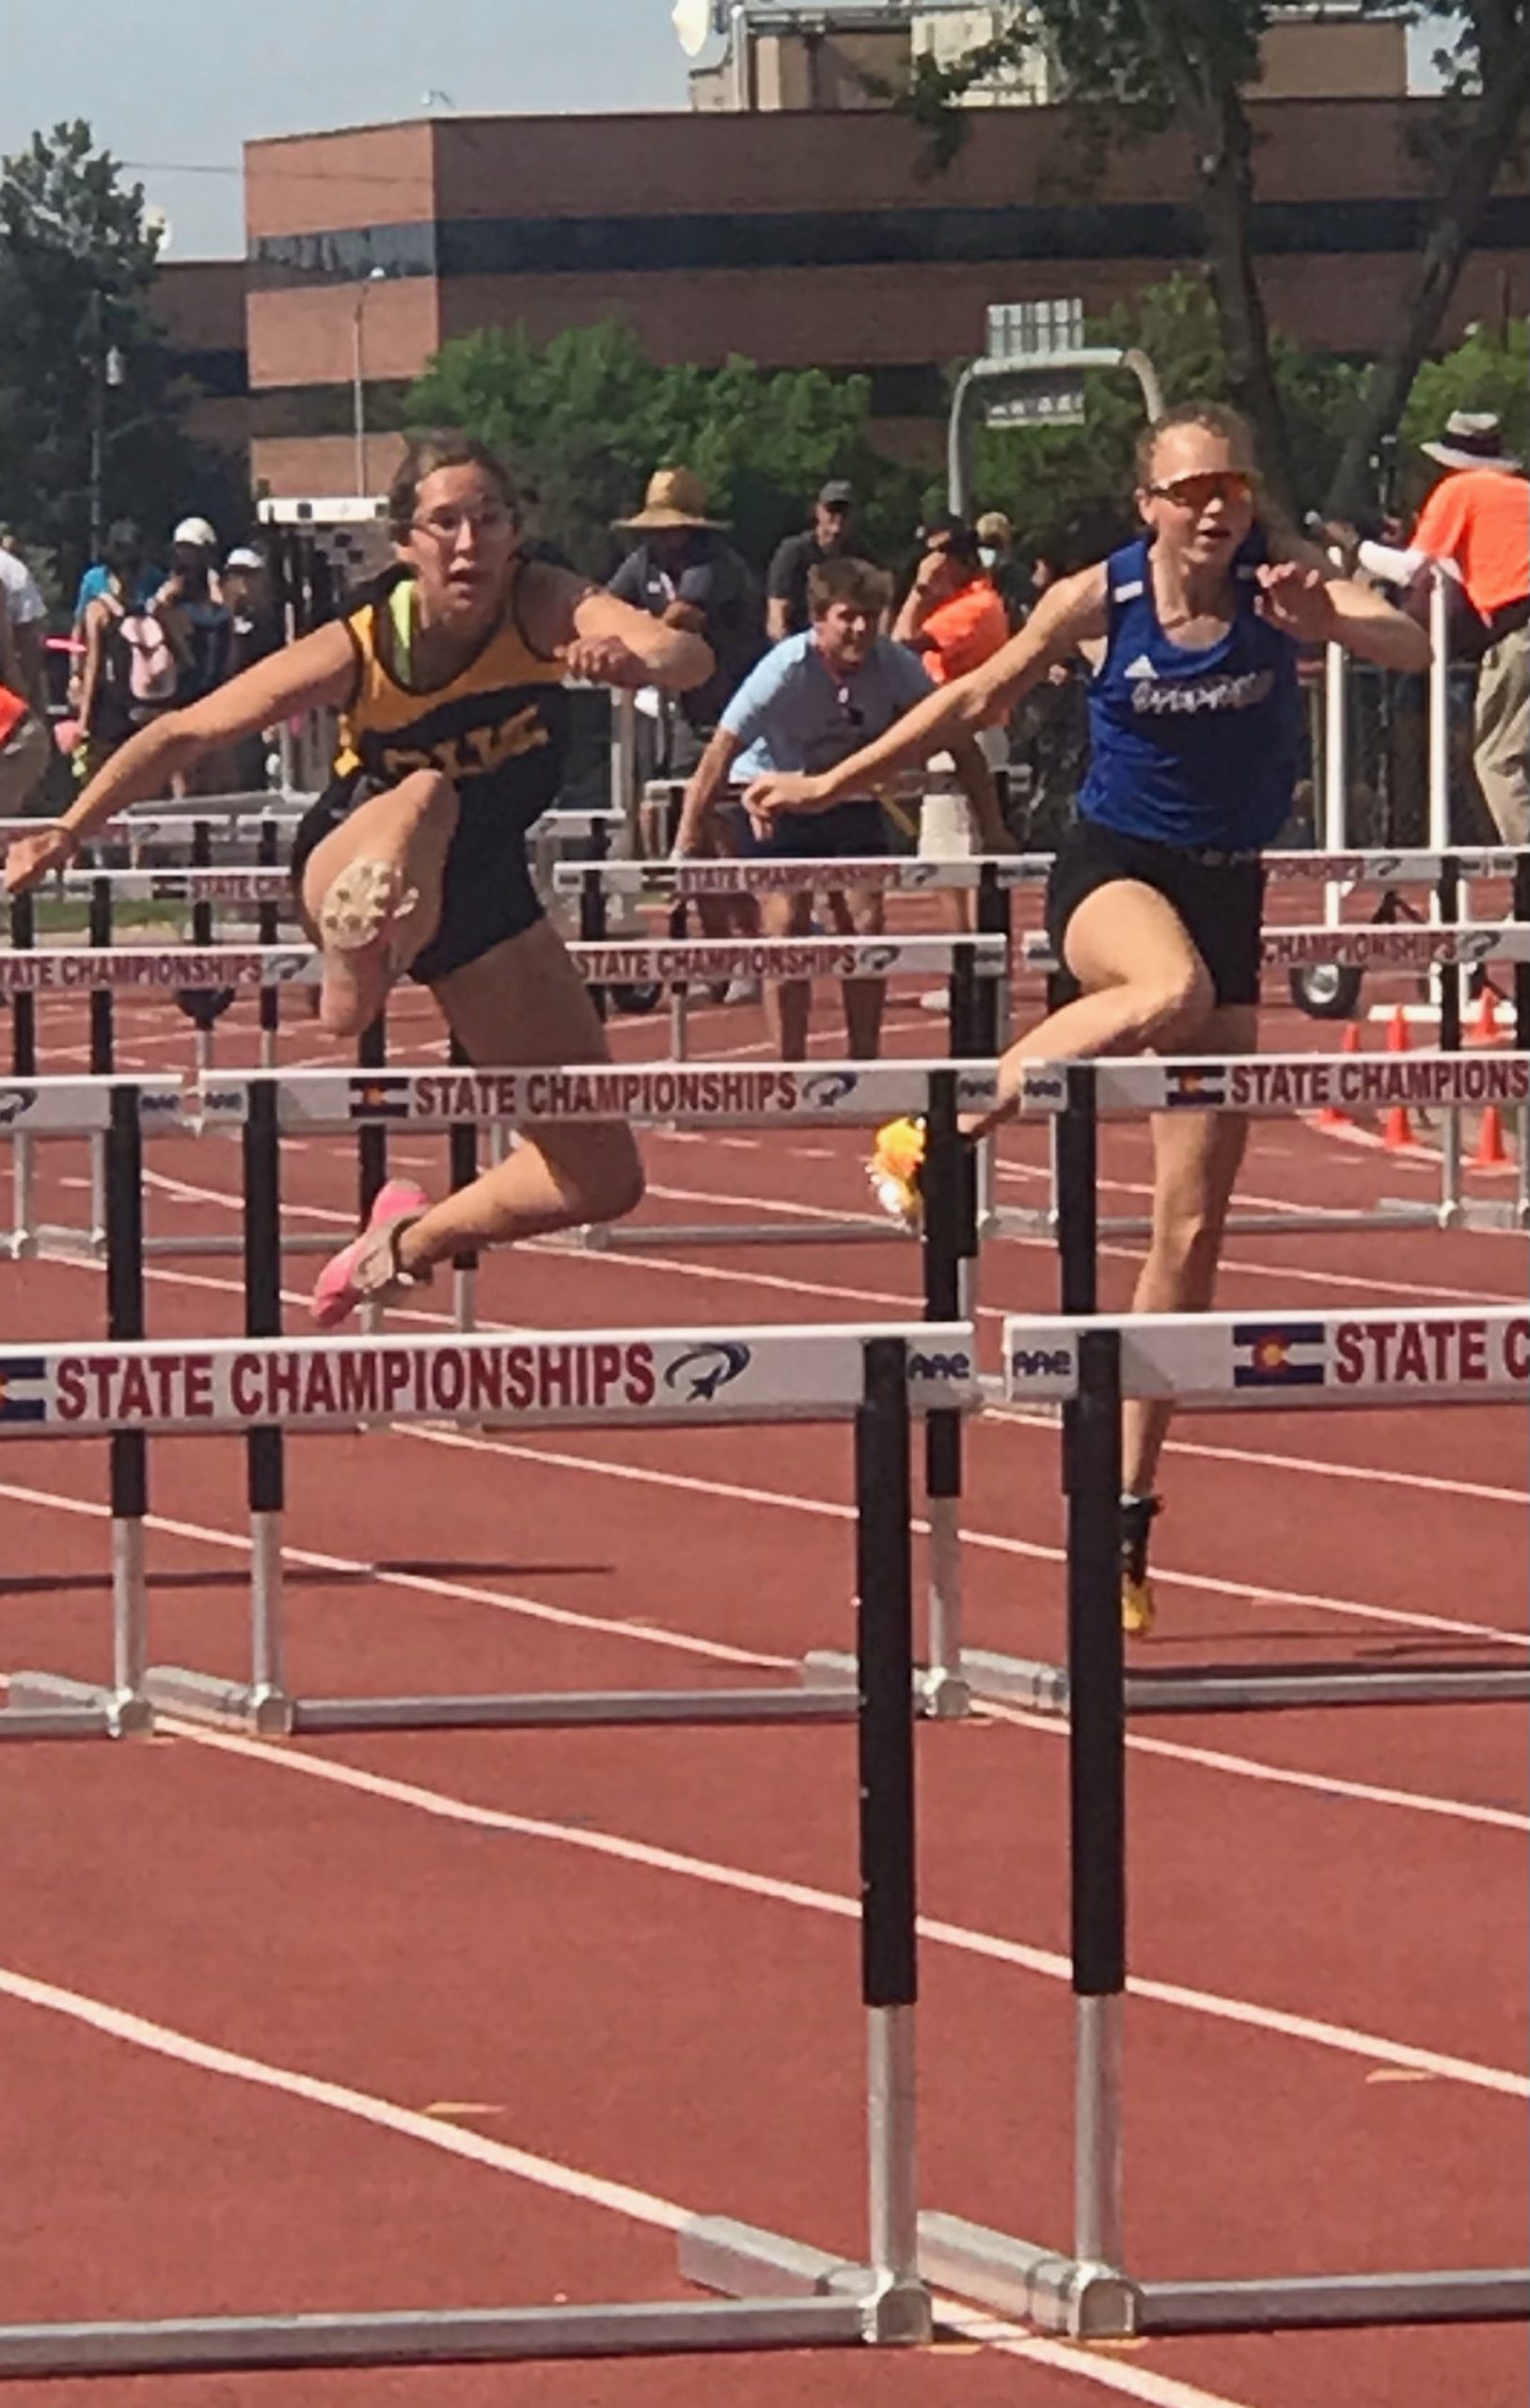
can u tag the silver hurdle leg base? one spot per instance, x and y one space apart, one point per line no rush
46 1705
228 1705
742 2261
235 1705
1483 2295
940 1695
463 2336
1040 2287
1043 1689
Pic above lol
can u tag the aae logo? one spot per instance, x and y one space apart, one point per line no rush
1040 1366
944 1368
15 1103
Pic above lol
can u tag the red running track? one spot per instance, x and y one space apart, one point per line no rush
563 1985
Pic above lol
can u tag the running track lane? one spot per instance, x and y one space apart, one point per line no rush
1352 2346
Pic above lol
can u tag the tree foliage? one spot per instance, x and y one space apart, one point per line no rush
585 419
83 354
1134 68
1484 121
1067 491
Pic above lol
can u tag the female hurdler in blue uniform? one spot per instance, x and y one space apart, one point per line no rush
1155 899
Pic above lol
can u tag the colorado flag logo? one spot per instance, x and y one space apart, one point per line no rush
1292 1355
1195 1083
24 1387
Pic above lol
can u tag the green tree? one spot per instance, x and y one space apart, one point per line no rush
1490 371
1484 119
89 406
585 417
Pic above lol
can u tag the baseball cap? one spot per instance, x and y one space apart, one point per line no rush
838 494
198 532
242 556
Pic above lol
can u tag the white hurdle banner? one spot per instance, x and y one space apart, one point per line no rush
235 885
678 1094
82 1106
686 879
1237 1362
546 1381
1277 1085
81 969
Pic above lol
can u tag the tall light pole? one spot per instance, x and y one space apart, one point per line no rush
358 381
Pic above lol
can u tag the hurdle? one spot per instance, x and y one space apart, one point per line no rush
861 1378
1207 1362
261 1110
1078 1096
117 1113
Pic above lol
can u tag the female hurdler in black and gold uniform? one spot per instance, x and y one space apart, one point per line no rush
454 732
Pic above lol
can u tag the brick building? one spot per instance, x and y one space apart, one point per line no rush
797 238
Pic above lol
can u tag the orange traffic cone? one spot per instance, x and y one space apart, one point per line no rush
1485 1026
1491 1153
1331 1116
1397 1130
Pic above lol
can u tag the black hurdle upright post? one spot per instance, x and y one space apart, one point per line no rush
462 1163
202 932
949 1220
1076 1155
889 1907
128 1450
1448 902
371 1138
992 1009
265 1469
1098 1766
23 1064
268 932
100 932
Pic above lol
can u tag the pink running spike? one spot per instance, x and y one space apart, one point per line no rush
368 1266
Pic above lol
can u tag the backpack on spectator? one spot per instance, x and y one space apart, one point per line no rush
153 672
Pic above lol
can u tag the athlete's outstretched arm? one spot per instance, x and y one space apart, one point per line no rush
1306 597
607 640
1068 614
318 670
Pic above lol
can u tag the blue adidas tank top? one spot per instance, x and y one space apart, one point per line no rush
1192 747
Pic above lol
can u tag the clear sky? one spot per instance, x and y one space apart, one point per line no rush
177 85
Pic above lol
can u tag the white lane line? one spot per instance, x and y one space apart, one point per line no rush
387 2115
1434 1483
548 2174
737 1492
1341 2037
528 1609
1364 1793
685 1643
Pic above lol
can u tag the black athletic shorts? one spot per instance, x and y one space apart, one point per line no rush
847 831
486 893
1219 896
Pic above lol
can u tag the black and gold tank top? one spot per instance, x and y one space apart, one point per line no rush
499 729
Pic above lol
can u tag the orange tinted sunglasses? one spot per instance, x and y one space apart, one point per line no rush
1209 484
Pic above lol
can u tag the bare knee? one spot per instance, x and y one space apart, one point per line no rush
603 1180
1176 1006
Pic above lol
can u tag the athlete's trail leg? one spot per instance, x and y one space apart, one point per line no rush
1197 1158
524 1001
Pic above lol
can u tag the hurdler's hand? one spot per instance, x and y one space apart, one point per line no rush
769 799
31 859
1297 600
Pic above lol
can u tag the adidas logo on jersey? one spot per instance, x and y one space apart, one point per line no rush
1141 667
